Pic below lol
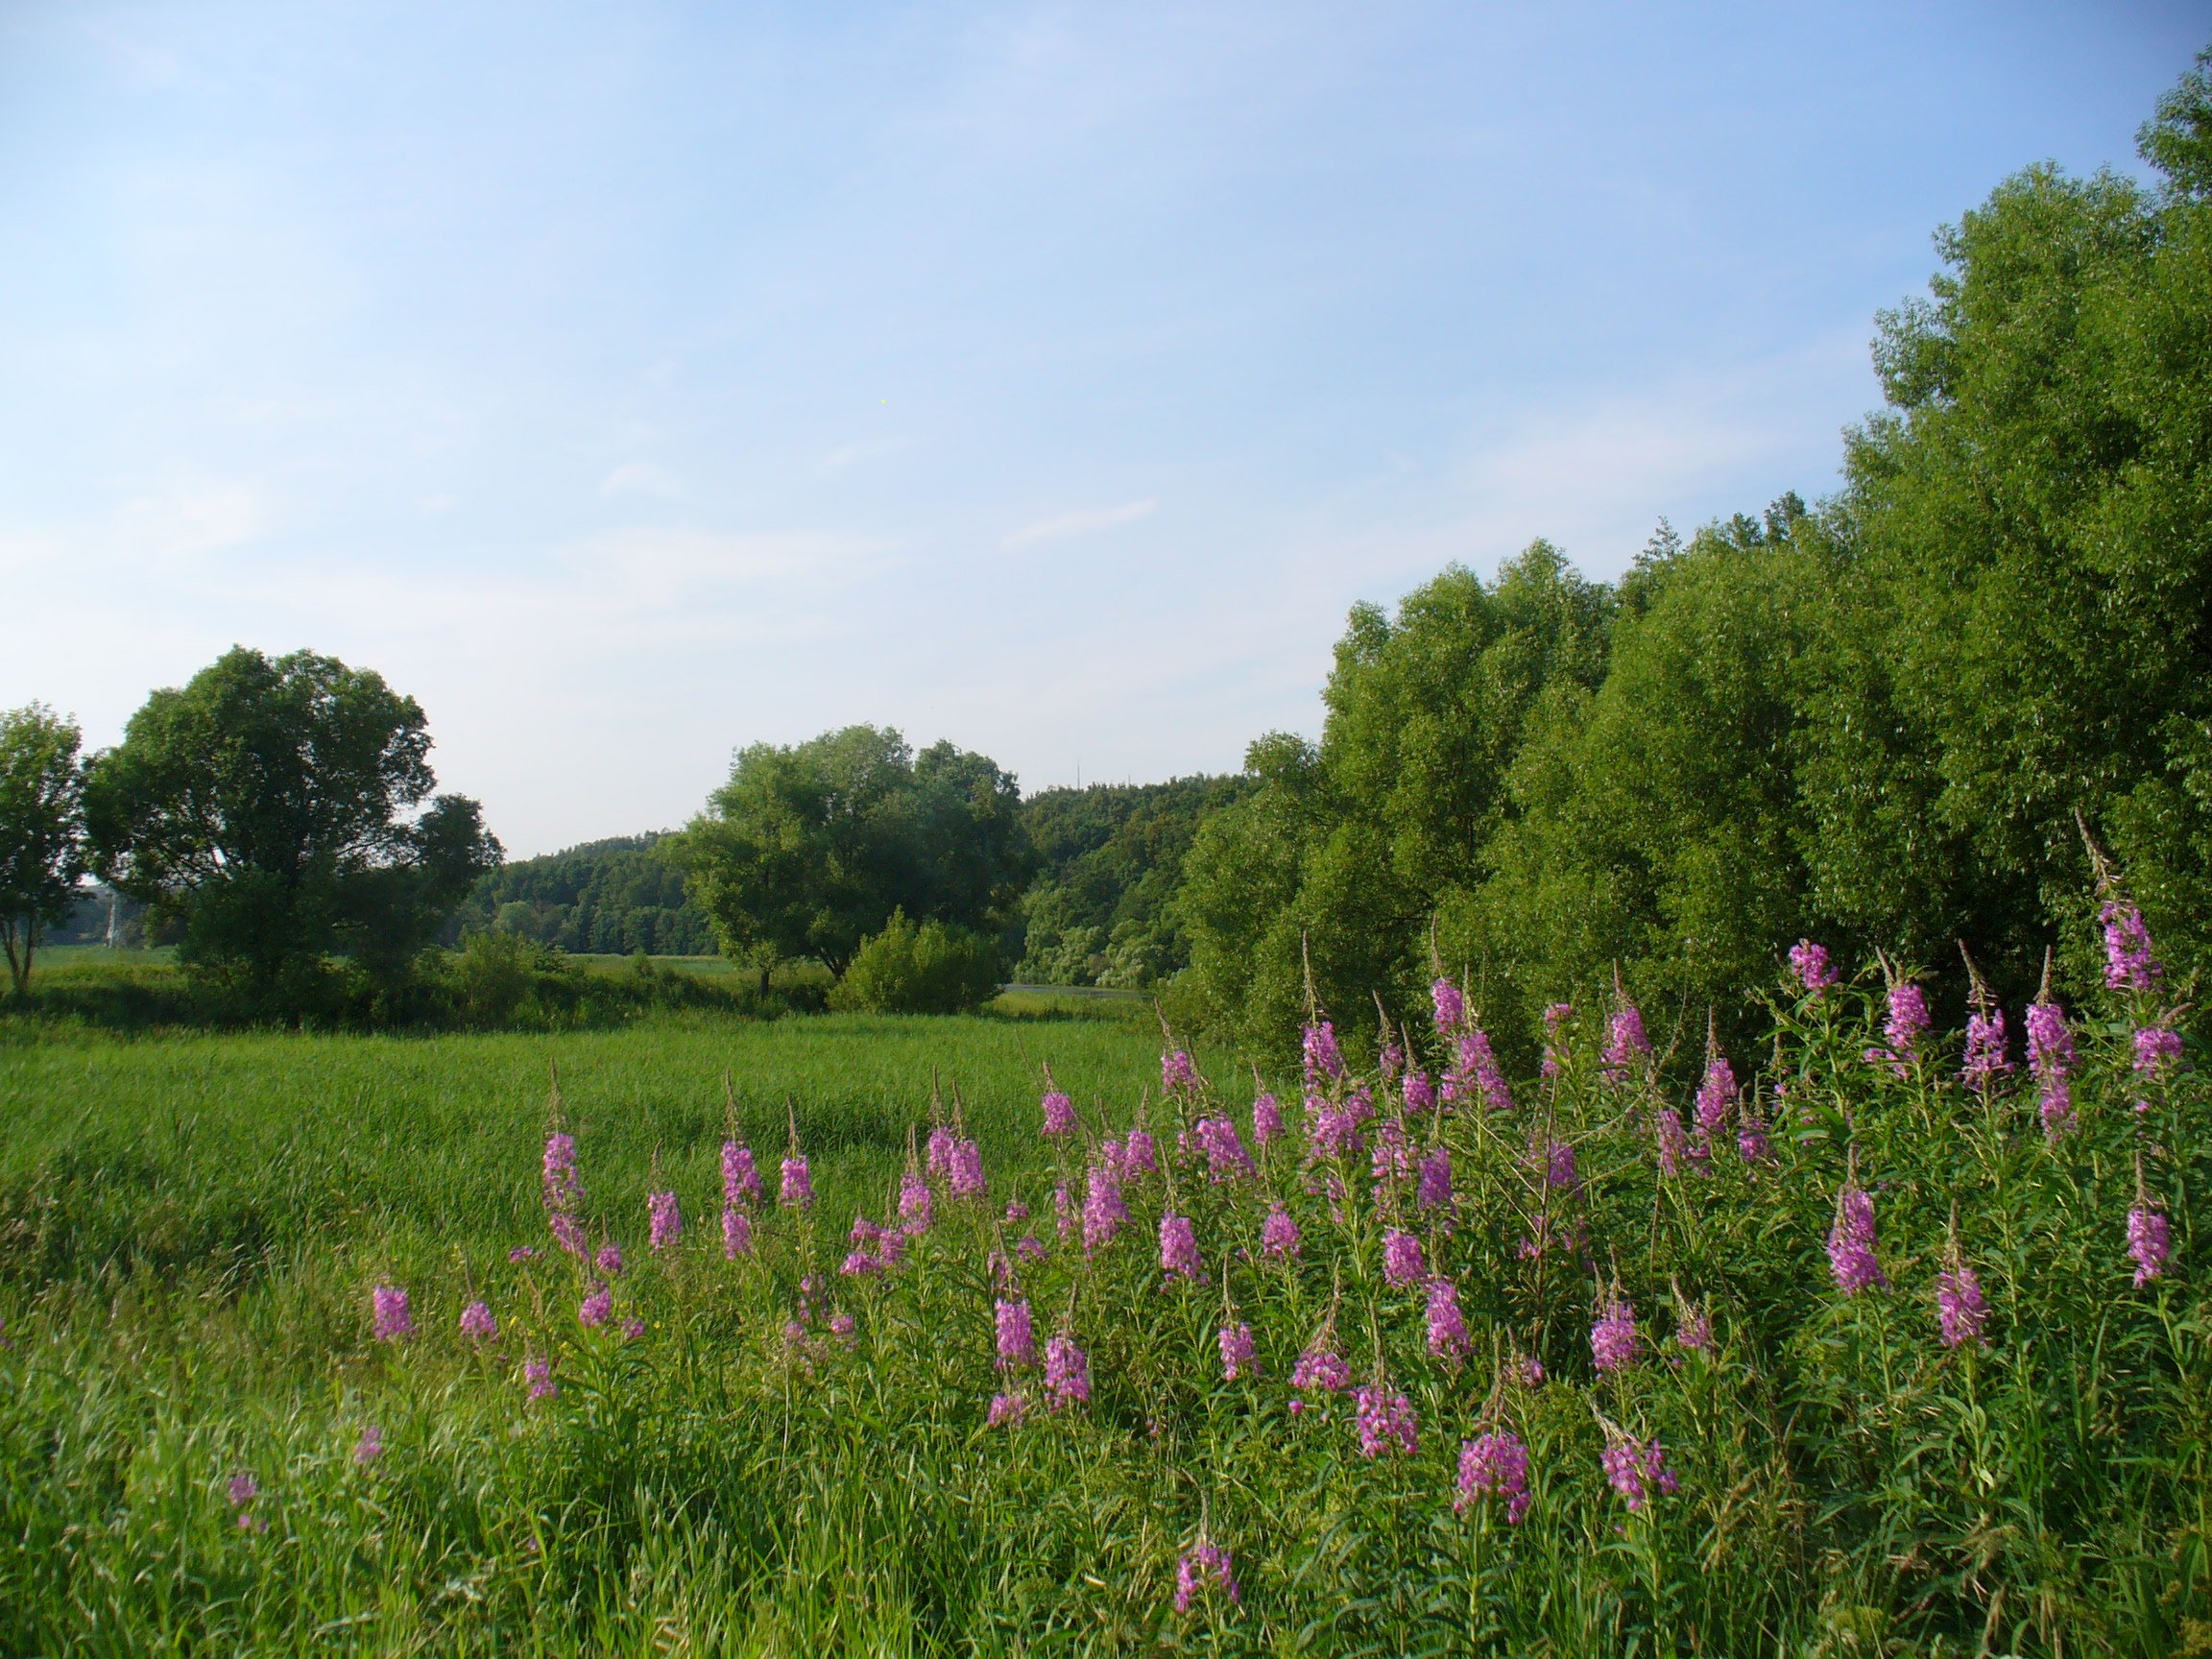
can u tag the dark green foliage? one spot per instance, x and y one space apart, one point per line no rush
42 832
807 849
934 968
605 898
1110 861
265 806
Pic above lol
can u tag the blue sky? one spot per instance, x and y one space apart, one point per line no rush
630 383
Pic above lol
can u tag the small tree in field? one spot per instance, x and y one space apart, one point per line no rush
41 830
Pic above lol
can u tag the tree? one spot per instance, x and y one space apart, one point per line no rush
271 806
41 830
807 849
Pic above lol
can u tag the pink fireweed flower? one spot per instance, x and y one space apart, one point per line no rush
2051 1057
1851 1257
1808 962
608 1260
1322 1057
1402 1262
1449 1004
1029 1247
537 1373
1140 1154
917 1206
1391 1061
1714 1096
1064 1210
1418 1093
1331 1133
1985 1046
569 1234
370 1446
1637 1469
476 1321
1279 1234
522 1253
1555 1018
1178 1248
938 1152
1392 1158
562 1190
798 1188
736 1234
2129 964
596 1307
665 1222
1674 1140
1478 1063
1434 1190
2158 1051
1613 1339
1385 1420
1495 1465
1226 1157
244 1489
633 1330
966 1177
1908 1019
1005 1409
1104 1211
1959 1309
1067 1372
1751 1143
389 1306
1559 1167
1177 1074
844 1328
741 1186
1017 1335
1205 1566
2150 1243
1266 1119
1695 1333
1448 1337
1237 1351
1625 1045
1059 1114
1321 1366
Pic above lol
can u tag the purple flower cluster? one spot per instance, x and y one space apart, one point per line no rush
1177 1074
1908 1019
608 1260
1432 1189
370 1446
1448 1337
2051 1057
389 1307
1637 1469
2129 964
917 1204
1266 1119
1449 1004
1851 1255
1104 1211
1959 1309
1178 1248
563 1194
476 1322
964 1171
1005 1409
597 1308
2150 1243
1385 1420
1613 1339
1323 1059
244 1489
1986 1049
1402 1259
1207 1566
1321 1366
797 1192
1555 1018
1674 1140
665 1221
1495 1465
537 1373
1017 1335
1715 1095
1279 1234
1226 1159
1067 1372
1625 1045
1059 1114
1418 1093
1808 962
1237 1351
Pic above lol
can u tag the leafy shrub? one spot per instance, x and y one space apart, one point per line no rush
930 968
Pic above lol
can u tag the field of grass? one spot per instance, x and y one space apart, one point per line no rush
1547 1371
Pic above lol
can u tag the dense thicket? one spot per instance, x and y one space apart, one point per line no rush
1887 721
613 897
1110 860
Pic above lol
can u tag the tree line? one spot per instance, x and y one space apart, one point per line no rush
1899 719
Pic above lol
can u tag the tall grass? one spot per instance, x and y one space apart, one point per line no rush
788 1458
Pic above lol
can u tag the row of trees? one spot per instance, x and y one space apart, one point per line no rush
1885 723
279 815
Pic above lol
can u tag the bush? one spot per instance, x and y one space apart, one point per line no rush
934 969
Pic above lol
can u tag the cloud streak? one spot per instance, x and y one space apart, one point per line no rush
1082 523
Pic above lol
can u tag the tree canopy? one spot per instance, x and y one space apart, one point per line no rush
41 830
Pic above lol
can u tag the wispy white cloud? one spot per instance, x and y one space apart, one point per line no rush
1082 521
642 478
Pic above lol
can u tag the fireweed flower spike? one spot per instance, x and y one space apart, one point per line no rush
1067 1372
1234 1340
2150 1242
1059 1111
797 1192
370 1446
2129 964
1555 1018
1613 1338
1385 1420
537 1373
1005 1409
1625 1045
1495 1465
1017 1335
1674 1140
1808 962
1434 1190
1908 1019
1448 1337
389 1306
1402 1262
1450 1006
667 1222
1205 1567
1178 1074
596 1307
476 1321
608 1260
1960 1310
1323 1061
1178 1248
1279 1234
1636 1468
1713 1097
1851 1257
244 1489
1266 1119
1986 1049
737 1233
2051 1057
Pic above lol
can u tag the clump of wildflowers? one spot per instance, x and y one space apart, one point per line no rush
608 1260
564 1192
797 1192
1674 1140
1449 1004
1226 1157
2051 1057
597 1306
1279 1234
1005 1409
1177 1072
1637 1468
1851 1242
665 1222
1715 1095
1960 1310
1017 1335
1808 962
1266 1118
1320 1366
1495 1465
244 1490
389 1307
1448 1337
1555 1018
1613 1339
1625 1045
1104 1211
1238 1350
1178 1248
1205 1567
537 1374
2129 962
476 1321
1384 1418
1986 1049
737 1233
1402 1259
1908 1019
1323 1059
1432 1189
369 1448
1751 1143
1067 1372
2150 1242
1059 1111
